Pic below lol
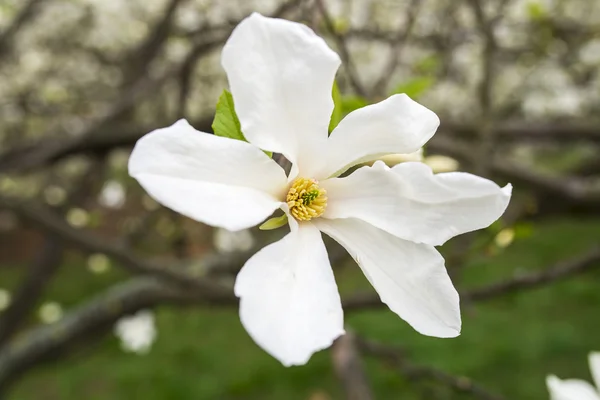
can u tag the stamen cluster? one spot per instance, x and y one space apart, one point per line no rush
306 200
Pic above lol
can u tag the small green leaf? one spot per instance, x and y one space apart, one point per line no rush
524 229
337 114
274 223
415 87
428 65
351 103
226 122
536 11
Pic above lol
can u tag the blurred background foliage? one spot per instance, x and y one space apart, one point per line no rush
516 84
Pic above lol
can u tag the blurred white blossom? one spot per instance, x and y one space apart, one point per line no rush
50 312
440 163
393 159
228 241
98 263
78 217
576 389
136 332
505 237
5 299
112 195
55 195
590 52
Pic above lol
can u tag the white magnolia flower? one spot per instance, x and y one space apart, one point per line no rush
388 219
137 332
575 389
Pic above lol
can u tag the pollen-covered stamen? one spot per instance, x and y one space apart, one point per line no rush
306 199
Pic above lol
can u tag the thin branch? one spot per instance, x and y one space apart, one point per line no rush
396 357
25 16
396 49
578 265
340 40
485 87
92 319
56 226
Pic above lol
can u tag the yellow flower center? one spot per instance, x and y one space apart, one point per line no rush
306 199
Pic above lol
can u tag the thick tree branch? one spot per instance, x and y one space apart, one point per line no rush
46 263
349 369
56 226
92 319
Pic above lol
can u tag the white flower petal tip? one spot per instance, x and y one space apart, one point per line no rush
289 302
395 125
412 203
594 360
410 278
576 389
280 74
219 181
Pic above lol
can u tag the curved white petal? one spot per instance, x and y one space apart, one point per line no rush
289 302
219 181
594 359
570 389
409 277
281 75
410 202
395 125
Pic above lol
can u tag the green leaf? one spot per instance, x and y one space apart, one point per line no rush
536 11
337 114
428 65
524 229
226 122
351 103
274 223
415 87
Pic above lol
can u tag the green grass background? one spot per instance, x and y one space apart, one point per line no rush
508 344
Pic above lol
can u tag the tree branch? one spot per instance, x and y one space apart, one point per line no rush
343 48
92 319
578 265
396 357
349 369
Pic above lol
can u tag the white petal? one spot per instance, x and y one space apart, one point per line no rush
594 359
410 202
289 302
219 181
409 277
570 389
281 76
395 125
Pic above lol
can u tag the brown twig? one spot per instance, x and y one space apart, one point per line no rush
578 265
396 49
55 225
353 76
396 357
349 369
91 319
